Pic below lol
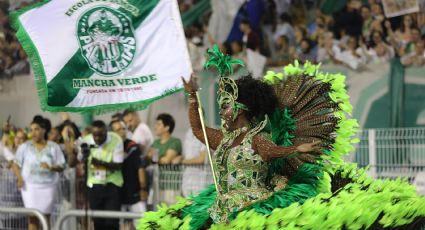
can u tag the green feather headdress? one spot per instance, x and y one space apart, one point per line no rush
224 65
222 62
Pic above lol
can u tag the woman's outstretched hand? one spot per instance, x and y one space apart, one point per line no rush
190 86
309 147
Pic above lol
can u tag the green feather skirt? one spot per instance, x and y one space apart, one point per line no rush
314 199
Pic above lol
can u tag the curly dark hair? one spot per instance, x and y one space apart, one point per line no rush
44 123
258 96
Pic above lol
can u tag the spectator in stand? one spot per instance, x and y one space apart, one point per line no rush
404 34
328 18
300 32
284 54
282 6
377 12
416 58
318 28
415 36
117 116
69 131
195 48
237 51
326 48
269 21
165 149
37 166
348 21
5 154
20 64
12 138
286 28
6 60
250 39
104 176
306 52
8 185
354 56
168 147
12 57
7 148
134 192
402 47
379 51
194 157
55 135
141 133
71 137
421 20
367 21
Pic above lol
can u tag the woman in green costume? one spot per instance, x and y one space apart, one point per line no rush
243 150
278 160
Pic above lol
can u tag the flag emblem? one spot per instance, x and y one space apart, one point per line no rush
106 39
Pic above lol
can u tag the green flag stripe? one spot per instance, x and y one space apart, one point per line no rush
30 49
60 91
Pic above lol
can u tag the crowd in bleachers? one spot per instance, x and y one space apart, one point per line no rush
13 59
355 36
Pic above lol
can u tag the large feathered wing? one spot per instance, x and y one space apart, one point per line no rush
313 106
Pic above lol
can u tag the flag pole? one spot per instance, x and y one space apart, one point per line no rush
201 116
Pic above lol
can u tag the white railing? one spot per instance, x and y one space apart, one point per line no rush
391 153
96 214
10 197
29 212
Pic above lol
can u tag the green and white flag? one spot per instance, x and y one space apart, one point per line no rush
102 55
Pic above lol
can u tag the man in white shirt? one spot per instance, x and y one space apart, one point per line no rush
141 134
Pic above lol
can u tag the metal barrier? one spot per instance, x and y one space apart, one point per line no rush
391 153
10 197
27 211
170 181
96 214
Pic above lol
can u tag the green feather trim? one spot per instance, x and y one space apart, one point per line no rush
283 124
280 125
222 62
166 217
198 210
363 204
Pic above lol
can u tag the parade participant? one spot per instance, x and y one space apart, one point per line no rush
278 160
